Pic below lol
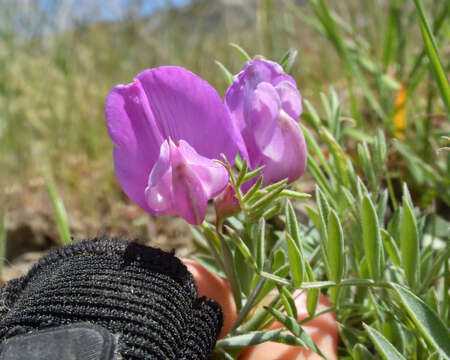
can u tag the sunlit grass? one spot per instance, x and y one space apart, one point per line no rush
53 85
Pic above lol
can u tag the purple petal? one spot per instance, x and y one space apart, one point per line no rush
182 181
264 113
291 100
285 156
137 140
163 103
239 94
213 176
159 190
186 107
240 98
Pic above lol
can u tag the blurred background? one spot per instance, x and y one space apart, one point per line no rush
60 58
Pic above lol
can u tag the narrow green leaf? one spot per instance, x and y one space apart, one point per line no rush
293 326
288 302
242 173
435 269
320 178
324 210
391 247
250 303
386 349
316 122
409 243
260 244
267 198
243 248
339 156
199 239
372 238
288 339
312 296
227 75
241 52
291 224
315 149
211 237
381 205
433 54
252 174
230 271
296 261
427 321
261 317
335 247
361 189
252 191
314 216
248 339
365 161
435 356
59 209
272 211
392 330
380 151
294 194
360 352
226 356
288 59
273 277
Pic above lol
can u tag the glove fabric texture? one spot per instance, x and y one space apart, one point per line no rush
144 296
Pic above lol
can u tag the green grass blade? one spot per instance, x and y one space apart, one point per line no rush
328 22
434 57
288 59
427 321
60 211
386 349
241 52
227 75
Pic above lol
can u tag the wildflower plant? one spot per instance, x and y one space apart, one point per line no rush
381 262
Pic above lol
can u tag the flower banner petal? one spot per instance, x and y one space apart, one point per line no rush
187 108
137 140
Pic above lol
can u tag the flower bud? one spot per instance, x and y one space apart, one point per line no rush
226 204
265 104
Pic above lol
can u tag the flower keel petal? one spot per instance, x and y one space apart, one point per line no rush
182 182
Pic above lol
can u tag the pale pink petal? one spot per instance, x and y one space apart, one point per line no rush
291 100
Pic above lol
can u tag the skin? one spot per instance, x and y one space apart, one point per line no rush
323 329
216 288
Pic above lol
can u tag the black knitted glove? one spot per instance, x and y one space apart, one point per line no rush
144 297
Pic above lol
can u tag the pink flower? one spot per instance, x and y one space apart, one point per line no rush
265 104
167 126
